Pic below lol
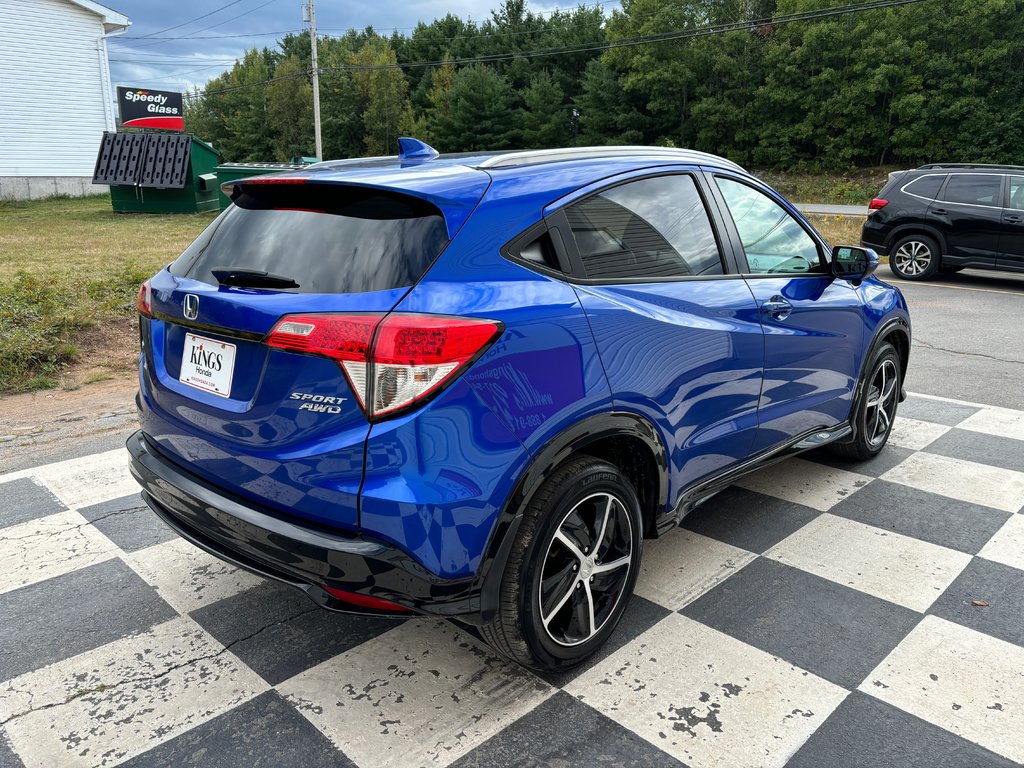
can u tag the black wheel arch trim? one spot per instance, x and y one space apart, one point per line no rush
905 230
554 453
894 325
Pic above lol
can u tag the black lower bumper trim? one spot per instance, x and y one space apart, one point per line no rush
304 557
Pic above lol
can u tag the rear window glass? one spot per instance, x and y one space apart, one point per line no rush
926 186
327 238
974 189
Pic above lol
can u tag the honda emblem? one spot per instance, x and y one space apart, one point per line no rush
191 306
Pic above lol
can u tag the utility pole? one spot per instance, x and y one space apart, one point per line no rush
310 13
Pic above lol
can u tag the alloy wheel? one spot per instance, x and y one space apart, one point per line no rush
881 403
586 569
912 258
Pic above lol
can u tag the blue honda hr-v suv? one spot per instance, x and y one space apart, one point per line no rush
470 386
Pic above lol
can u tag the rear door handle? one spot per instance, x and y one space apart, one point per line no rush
777 308
1013 218
939 211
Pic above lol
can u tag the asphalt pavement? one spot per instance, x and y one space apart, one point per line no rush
968 336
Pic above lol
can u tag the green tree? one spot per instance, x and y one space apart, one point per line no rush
481 114
545 118
290 110
383 92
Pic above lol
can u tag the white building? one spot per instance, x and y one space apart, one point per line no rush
55 94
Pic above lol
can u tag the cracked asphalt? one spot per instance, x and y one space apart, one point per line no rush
968 336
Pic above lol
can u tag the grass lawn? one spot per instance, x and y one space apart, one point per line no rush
838 230
68 276
855 187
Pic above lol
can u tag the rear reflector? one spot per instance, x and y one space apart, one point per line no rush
144 301
392 363
877 203
364 601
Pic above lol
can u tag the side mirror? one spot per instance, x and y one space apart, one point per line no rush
850 262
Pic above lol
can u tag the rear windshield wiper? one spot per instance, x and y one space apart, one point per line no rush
251 278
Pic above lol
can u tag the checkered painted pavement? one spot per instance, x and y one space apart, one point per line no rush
818 614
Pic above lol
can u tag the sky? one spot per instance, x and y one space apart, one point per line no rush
206 47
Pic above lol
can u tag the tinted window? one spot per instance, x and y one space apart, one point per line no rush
328 239
926 186
974 189
1017 192
648 228
773 240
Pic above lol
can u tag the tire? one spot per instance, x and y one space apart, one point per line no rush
915 257
547 578
876 409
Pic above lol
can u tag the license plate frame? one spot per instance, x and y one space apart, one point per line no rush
199 367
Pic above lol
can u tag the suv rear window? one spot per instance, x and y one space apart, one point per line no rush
327 238
926 186
974 189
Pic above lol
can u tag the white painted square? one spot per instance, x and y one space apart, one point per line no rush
87 480
49 546
708 699
119 700
964 480
424 693
805 482
1002 422
914 433
681 566
956 678
894 567
1007 545
187 577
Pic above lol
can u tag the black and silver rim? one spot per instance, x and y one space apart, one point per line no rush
912 258
881 405
586 569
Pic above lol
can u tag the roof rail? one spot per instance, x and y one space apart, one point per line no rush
979 166
538 156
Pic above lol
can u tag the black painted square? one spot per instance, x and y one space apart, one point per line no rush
23 500
1001 586
886 459
936 411
266 732
128 522
640 615
567 733
927 516
835 632
8 758
279 632
864 732
993 450
748 520
70 614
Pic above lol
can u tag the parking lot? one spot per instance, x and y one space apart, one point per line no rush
819 613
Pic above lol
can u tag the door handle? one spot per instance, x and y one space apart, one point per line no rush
939 211
777 308
1013 218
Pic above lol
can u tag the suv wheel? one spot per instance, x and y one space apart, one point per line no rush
876 411
572 567
915 257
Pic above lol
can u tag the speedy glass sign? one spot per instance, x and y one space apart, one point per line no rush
145 108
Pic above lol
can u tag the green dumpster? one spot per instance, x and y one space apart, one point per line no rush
158 172
234 171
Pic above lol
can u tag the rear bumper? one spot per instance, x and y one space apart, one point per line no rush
302 556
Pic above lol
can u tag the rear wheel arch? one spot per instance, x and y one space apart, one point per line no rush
622 438
908 230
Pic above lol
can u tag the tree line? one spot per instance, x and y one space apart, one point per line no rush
936 80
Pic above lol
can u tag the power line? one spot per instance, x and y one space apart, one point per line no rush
191 35
191 21
214 37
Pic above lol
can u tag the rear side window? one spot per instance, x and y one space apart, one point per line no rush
926 186
974 189
327 238
648 228
1017 193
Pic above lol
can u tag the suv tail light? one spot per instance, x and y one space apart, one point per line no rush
877 204
144 301
392 362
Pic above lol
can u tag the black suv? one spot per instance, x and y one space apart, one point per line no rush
944 217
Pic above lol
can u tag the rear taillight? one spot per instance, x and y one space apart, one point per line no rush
144 301
392 362
877 204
